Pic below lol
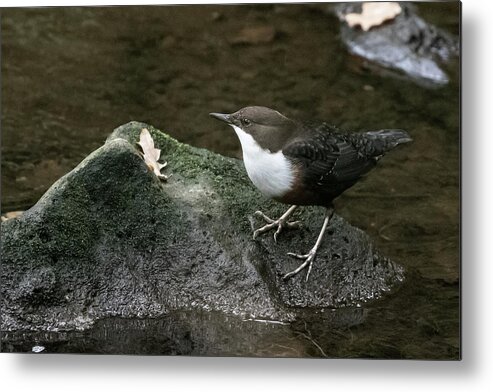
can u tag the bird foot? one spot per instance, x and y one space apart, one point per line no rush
309 257
280 224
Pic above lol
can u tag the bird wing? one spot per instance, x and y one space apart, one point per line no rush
328 159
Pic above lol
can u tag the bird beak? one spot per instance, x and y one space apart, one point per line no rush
222 117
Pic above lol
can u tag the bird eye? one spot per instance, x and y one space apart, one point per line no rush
246 121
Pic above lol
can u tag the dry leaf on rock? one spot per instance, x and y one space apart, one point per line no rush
11 215
151 154
373 14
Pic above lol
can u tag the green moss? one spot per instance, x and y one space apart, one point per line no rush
226 176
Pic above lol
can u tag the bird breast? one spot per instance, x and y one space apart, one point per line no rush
271 173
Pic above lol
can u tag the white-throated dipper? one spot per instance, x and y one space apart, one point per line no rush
301 164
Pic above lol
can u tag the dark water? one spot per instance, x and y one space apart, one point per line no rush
71 75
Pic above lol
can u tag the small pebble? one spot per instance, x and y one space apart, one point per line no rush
38 349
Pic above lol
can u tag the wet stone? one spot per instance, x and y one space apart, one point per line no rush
110 239
406 43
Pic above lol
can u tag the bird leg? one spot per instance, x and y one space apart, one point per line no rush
280 223
310 256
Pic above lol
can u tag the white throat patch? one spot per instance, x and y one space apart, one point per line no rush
270 172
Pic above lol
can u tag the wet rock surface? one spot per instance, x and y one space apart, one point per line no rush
110 239
407 43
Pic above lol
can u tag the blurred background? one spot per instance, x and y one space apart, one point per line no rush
72 75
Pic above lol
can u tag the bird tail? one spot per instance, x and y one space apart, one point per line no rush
386 139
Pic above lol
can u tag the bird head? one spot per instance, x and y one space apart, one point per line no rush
268 128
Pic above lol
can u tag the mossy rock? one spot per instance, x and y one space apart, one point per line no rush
110 239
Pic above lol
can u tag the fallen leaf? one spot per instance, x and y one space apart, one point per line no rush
255 35
373 14
151 154
11 215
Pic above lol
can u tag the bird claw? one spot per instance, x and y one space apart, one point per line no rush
302 257
309 257
260 214
294 225
280 224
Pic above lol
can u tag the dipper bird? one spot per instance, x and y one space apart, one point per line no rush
304 164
